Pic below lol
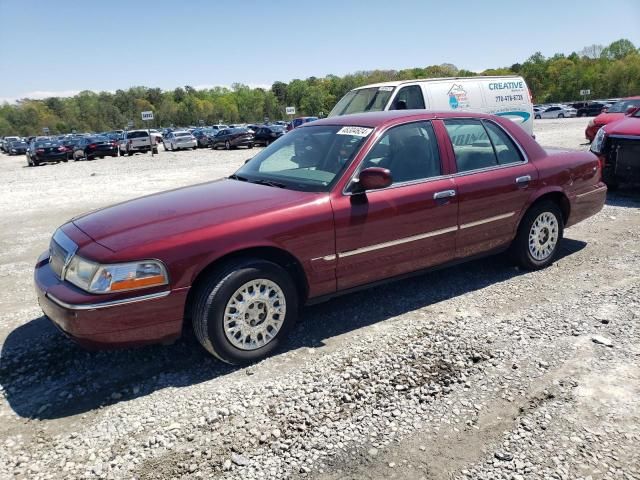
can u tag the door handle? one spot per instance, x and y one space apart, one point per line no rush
523 179
444 194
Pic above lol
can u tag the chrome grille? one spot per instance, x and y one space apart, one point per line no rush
61 251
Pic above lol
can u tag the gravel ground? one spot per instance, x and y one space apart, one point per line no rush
479 371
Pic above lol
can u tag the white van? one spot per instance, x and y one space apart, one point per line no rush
507 96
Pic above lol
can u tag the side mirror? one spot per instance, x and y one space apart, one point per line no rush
631 110
373 178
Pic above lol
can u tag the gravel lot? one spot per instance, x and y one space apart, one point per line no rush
480 371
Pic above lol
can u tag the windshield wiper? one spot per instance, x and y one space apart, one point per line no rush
271 183
238 177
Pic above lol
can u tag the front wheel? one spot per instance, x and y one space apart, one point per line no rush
561 115
227 145
537 117
244 312
539 236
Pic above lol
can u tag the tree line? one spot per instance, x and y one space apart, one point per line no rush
608 71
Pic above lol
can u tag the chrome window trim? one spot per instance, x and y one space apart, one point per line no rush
345 193
486 169
109 304
378 135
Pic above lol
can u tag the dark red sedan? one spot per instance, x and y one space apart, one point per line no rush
333 206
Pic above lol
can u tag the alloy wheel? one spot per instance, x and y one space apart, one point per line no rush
254 314
543 236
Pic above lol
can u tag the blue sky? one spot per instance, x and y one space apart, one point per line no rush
61 47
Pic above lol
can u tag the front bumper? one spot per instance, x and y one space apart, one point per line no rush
105 321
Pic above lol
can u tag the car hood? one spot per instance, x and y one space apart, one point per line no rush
605 118
626 126
168 214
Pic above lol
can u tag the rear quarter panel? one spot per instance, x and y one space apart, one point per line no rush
577 175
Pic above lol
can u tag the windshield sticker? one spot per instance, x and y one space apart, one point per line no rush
356 131
458 97
385 89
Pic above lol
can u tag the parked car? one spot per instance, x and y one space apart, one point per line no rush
296 122
588 109
203 136
616 112
506 96
617 144
333 206
557 111
89 148
137 141
4 146
267 134
45 151
180 140
232 138
70 144
16 147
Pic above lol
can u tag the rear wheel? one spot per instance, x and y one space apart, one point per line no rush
243 312
539 236
561 115
227 145
250 145
538 117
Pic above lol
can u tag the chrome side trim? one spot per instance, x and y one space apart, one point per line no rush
393 243
326 258
597 190
487 220
112 303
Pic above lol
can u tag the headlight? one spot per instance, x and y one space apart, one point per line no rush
13 149
118 277
598 142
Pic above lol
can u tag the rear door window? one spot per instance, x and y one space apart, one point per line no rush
506 150
471 145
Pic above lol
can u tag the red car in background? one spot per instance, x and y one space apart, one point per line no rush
613 113
618 146
336 205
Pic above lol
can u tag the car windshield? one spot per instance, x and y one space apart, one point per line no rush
277 129
46 144
182 134
18 144
308 159
97 139
621 107
371 99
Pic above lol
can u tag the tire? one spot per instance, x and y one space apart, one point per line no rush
561 115
538 117
29 163
266 143
129 153
215 295
227 145
250 145
155 151
533 254
165 147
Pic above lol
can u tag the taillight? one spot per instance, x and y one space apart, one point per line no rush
40 150
62 149
92 145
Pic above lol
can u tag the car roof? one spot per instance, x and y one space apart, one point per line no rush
396 83
376 119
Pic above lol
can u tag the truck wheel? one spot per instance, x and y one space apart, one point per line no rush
539 236
243 312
